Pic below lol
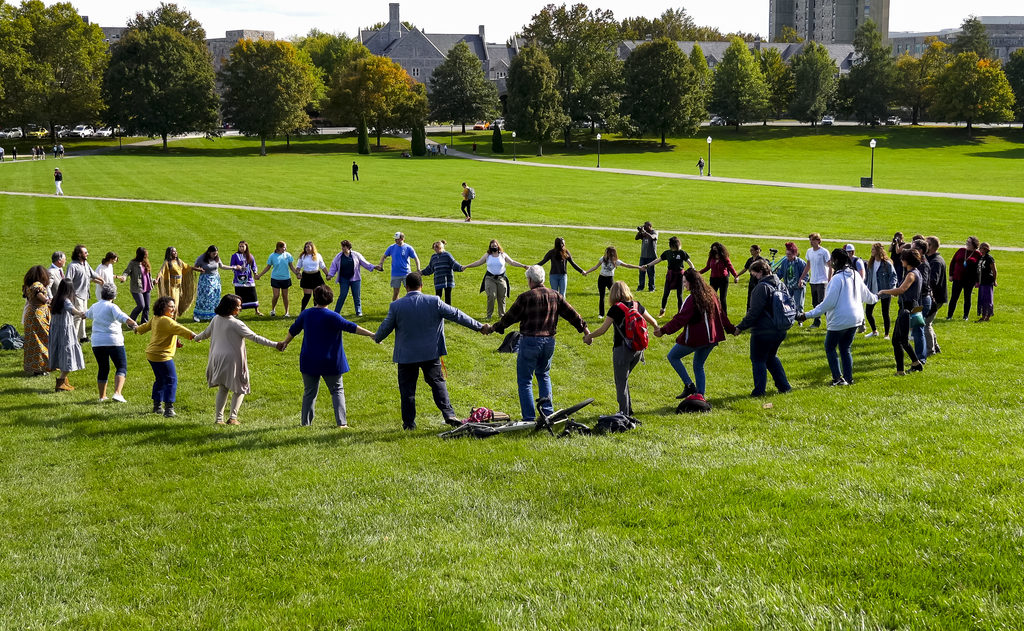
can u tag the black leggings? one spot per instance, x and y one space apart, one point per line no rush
901 339
447 291
467 208
604 283
679 296
141 309
305 301
869 312
721 285
967 289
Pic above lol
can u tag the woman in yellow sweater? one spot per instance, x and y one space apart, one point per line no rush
160 353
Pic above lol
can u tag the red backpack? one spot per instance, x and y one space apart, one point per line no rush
634 327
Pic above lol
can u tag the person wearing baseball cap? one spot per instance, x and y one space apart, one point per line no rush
58 179
400 254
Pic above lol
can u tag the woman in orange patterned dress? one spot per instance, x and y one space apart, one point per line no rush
37 321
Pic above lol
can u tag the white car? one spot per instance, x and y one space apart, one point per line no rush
104 132
14 132
499 122
82 131
828 121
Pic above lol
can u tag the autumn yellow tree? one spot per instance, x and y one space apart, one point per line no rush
373 91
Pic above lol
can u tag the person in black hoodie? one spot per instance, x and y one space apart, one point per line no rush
940 293
765 337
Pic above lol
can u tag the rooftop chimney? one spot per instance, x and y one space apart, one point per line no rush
393 12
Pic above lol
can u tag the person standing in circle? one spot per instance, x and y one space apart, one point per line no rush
721 267
559 256
441 265
64 348
355 173
160 353
648 238
310 265
140 283
280 261
606 278
58 177
105 271
245 277
817 273
909 293
765 337
963 270
986 283
108 341
400 253
175 281
347 266
37 321
881 274
468 195
495 281
677 260
208 287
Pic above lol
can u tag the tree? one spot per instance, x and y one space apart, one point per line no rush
779 78
1015 75
972 89
63 66
581 45
330 51
459 90
788 35
497 145
703 82
914 76
377 91
740 93
13 58
267 86
160 78
534 104
814 83
660 90
419 141
973 38
868 88
675 24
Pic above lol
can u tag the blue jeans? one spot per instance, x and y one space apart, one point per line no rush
165 383
535 355
700 355
646 274
343 286
560 282
918 333
798 297
764 348
105 355
843 339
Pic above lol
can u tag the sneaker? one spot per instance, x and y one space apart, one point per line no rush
887 337
815 325
872 334
838 382
661 314
690 390
359 314
157 408
936 350
273 313
104 399
287 315
640 288
651 290
917 368
454 422
233 421
343 426
119 398
169 411
219 421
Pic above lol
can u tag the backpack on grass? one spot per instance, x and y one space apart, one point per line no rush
783 308
10 339
616 424
694 403
634 327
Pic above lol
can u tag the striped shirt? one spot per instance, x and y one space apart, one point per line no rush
441 266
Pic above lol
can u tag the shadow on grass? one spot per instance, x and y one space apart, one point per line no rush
306 145
1009 154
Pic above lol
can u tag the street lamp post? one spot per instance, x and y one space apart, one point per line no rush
709 156
451 136
599 151
513 146
873 144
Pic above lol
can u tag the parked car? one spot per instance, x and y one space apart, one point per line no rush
717 121
61 131
35 131
482 125
499 122
82 131
14 132
893 120
828 121
104 132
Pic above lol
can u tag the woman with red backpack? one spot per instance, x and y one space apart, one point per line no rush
703 324
630 319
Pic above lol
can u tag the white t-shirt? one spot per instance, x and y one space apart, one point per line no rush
106 324
309 264
106 272
496 264
818 260
608 268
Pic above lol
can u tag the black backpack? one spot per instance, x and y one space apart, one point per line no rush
616 424
693 404
511 343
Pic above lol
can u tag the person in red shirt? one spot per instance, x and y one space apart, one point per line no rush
721 267
963 270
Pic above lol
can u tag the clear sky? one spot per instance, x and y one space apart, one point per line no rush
502 18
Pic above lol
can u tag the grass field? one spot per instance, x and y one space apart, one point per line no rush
891 504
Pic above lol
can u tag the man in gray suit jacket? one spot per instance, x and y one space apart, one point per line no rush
418 323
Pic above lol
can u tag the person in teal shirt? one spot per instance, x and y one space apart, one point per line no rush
278 263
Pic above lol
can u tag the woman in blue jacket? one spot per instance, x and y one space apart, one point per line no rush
879 274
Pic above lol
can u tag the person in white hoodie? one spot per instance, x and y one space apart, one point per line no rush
844 296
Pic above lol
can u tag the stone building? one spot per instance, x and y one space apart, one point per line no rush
826 21
1005 34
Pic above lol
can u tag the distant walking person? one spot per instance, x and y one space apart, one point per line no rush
986 283
58 179
700 165
648 238
468 195
355 172
1 154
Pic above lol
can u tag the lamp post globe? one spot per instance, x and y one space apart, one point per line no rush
599 151
513 146
709 156
873 144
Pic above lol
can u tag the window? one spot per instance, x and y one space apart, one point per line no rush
415 72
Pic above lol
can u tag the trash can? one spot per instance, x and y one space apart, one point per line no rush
865 182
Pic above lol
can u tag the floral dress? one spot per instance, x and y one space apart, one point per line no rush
37 331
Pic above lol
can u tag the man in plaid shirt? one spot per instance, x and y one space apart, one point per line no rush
537 312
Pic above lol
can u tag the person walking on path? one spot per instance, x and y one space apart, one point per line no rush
56 271
355 171
176 281
559 256
348 266
495 281
400 253
279 263
844 301
537 311
140 284
208 285
765 337
677 259
310 264
323 354
441 266
940 292
418 323
64 348
755 255
789 271
227 368
700 165
881 274
37 321
160 353
986 283
81 276
606 277
245 277
58 180
108 341
624 356
648 238
963 270
909 293
817 273
703 325
721 267
468 195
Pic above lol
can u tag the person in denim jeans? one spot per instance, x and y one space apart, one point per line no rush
765 337
347 267
789 272
537 310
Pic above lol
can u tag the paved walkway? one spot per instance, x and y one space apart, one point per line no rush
413 218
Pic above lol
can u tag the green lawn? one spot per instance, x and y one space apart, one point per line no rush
891 504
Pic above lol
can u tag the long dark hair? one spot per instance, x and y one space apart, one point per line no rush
248 255
840 260
560 248
722 252
142 258
704 298
227 305
167 253
212 250
35 274
65 291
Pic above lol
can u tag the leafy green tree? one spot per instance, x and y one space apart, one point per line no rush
867 90
973 38
330 51
267 86
459 90
581 45
779 78
160 78
377 91
497 145
675 24
913 76
534 104
1015 75
972 89
13 58
419 141
660 90
814 83
62 68
740 93
703 82
412 114
788 35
